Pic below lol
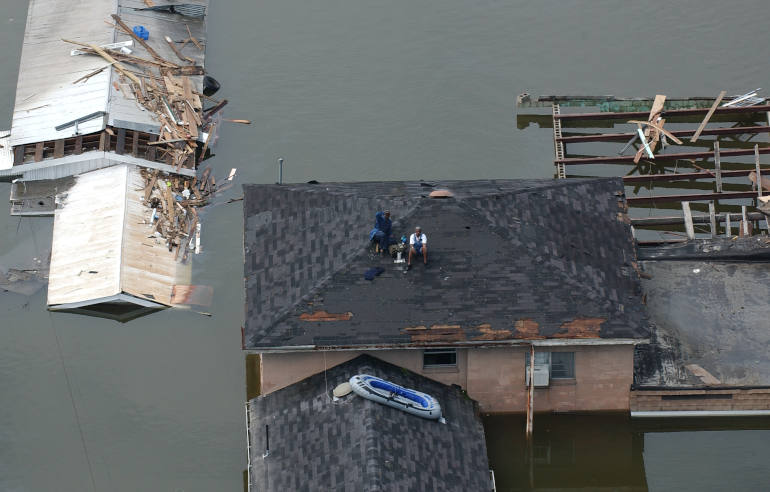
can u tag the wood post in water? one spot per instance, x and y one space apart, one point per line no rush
688 220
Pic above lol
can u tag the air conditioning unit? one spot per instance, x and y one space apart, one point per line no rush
542 376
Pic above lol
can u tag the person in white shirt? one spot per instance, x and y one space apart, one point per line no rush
418 245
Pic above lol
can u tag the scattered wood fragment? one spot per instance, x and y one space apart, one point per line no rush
176 51
707 117
243 122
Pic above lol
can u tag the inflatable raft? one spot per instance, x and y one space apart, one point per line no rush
393 395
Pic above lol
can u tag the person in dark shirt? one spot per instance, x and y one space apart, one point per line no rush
382 230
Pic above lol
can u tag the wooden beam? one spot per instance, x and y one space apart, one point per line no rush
708 116
78 144
121 146
18 155
712 219
624 115
646 178
759 172
688 220
135 144
151 150
58 148
696 219
660 157
622 137
728 195
38 151
718 166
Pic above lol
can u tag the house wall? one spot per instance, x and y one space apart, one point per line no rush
495 377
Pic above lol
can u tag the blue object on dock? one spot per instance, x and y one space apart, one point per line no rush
141 32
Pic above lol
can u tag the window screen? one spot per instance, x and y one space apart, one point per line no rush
439 358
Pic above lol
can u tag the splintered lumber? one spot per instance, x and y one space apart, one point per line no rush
645 146
148 190
176 51
204 178
208 139
139 40
242 122
214 110
708 116
122 69
192 38
660 128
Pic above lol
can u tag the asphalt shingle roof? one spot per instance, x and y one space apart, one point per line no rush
356 444
509 260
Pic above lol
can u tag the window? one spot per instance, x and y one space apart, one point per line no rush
439 358
561 364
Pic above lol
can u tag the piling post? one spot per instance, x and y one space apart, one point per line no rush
717 166
759 173
728 227
280 170
712 219
688 220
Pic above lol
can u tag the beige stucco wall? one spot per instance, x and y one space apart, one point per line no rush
495 377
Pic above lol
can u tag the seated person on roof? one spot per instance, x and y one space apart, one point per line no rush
418 245
382 230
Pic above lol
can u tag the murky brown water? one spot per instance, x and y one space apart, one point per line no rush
343 90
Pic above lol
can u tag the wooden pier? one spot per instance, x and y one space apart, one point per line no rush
674 169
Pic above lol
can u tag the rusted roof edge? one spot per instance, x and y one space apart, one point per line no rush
564 342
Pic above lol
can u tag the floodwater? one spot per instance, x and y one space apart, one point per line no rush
346 90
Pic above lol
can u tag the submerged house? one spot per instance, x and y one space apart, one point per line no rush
303 438
513 264
98 112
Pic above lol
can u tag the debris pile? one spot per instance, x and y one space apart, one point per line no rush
174 201
165 89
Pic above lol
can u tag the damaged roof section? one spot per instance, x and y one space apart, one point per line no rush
313 439
510 260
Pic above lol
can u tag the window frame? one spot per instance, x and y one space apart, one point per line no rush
550 363
440 351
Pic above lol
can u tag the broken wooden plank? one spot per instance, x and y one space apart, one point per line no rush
707 117
688 220
150 186
208 139
176 51
192 38
119 66
139 40
659 127
645 147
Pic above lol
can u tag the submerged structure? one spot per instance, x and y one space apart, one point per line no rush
702 272
303 435
108 130
514 264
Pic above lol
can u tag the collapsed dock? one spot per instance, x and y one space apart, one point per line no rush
700 222
113 117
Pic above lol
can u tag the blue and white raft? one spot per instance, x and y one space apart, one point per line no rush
393 395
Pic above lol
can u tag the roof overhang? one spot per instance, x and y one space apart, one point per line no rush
556 342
